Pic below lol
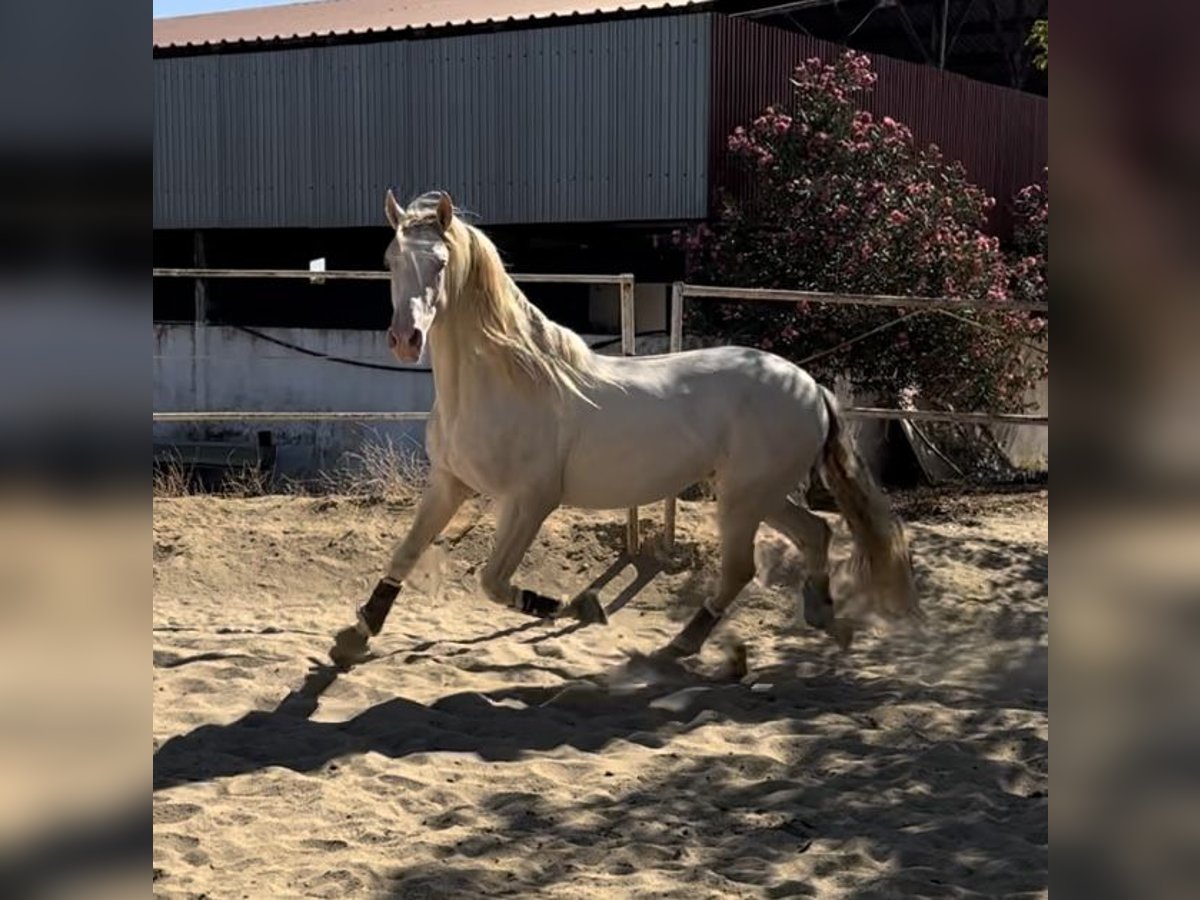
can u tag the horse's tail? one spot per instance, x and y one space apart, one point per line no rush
881 559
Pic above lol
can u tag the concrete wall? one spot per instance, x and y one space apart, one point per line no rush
223 368
1028 446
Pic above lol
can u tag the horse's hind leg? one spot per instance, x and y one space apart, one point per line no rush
811 535
737 521
438 505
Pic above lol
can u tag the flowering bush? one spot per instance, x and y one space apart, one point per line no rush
838 201
1031 244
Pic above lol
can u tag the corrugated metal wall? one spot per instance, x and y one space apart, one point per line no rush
597 122
1000 135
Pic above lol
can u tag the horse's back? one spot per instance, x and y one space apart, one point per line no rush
719 375
663 422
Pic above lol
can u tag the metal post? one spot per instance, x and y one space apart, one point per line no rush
633 539
945 23
199 326
674 346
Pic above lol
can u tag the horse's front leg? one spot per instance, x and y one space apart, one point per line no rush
518 521
438 505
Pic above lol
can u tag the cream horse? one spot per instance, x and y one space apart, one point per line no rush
527 414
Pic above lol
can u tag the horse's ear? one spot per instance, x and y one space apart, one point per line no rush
445 211
392 210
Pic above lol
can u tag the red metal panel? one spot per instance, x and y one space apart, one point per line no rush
1000 135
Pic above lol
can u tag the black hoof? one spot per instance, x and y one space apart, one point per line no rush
818 607
588 609
689 641
842 632
349 647
738 660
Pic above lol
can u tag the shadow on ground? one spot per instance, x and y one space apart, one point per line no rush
922 788
870 785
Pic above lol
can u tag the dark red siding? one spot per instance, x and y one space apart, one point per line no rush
1000 135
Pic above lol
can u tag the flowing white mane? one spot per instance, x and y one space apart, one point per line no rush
487 310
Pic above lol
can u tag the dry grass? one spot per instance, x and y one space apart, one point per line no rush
247 481
175 479
381 470
172 479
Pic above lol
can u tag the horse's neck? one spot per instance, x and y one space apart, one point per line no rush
443 359
460 376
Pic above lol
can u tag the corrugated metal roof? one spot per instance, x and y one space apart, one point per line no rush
589 122
346 17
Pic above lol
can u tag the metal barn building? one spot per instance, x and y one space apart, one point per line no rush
267 120
579 132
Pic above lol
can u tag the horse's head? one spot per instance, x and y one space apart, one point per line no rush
417 259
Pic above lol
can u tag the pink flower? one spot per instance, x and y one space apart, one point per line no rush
897 218
840 212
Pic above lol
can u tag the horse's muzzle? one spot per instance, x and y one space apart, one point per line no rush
406 344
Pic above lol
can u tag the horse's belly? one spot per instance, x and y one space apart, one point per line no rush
629 465
597 490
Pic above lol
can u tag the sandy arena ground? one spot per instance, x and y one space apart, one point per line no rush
481 754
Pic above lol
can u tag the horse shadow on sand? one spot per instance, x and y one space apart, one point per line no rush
737 819
913 806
